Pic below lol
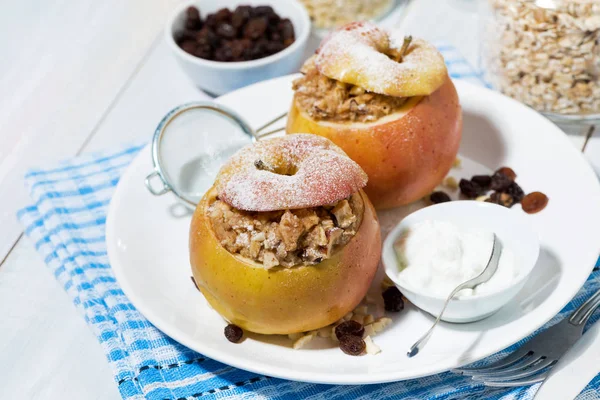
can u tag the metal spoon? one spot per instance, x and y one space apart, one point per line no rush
485 276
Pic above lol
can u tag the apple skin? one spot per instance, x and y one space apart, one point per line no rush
283 300
406 154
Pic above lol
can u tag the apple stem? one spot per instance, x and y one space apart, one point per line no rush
404 48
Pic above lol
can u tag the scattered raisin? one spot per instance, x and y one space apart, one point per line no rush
516 192
233 333
352 345
439 197
350 327
392 298
482 180
470 188
500 182
534 202
508 172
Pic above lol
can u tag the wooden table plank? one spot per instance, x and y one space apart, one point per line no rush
67 62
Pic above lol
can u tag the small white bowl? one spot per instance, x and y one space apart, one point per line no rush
511 227
217 77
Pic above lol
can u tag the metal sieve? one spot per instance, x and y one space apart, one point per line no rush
190 144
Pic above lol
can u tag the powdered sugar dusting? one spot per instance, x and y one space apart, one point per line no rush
357 54
325 174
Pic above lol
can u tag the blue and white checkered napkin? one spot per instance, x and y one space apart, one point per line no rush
66 221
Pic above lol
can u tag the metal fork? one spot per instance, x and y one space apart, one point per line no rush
531 363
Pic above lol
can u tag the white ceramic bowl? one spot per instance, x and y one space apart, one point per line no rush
511 227
217 77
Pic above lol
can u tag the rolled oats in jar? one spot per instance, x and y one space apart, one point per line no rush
544 53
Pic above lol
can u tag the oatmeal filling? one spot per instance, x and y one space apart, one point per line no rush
326 99
289 237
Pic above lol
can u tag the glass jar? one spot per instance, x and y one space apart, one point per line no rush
546 54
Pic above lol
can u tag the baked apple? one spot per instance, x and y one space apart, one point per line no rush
286 240
392 109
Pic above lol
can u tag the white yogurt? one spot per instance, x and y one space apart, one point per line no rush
436 256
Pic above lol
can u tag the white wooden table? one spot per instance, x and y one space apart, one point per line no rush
87 75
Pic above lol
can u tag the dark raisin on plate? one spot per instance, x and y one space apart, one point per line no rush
233 333
482 180
352 345
516 192
500 182
534 202
392 299
350 327
439 197
470 189
508 172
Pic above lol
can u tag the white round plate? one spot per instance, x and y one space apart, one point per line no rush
147 241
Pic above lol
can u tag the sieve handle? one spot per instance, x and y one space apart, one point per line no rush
164 187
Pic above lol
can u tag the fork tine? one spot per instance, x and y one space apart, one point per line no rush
520 382
518 366
517 375
501 363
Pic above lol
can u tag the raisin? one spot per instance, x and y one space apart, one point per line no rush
238 47
508 172
227 31
439 197
240 15
470 188
184 35
352 345
482 180
211 21
516 192
193 20
263 10
233 333
500 182
274 47
392 298
286 28
224 53
534 202
223 15
351 327
504 199
188 46
255 28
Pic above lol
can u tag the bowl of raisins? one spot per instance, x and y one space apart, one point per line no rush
224 45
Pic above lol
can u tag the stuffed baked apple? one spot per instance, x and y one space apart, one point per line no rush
392 109
286 240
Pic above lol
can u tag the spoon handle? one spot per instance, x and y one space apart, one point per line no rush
485 275
414 349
